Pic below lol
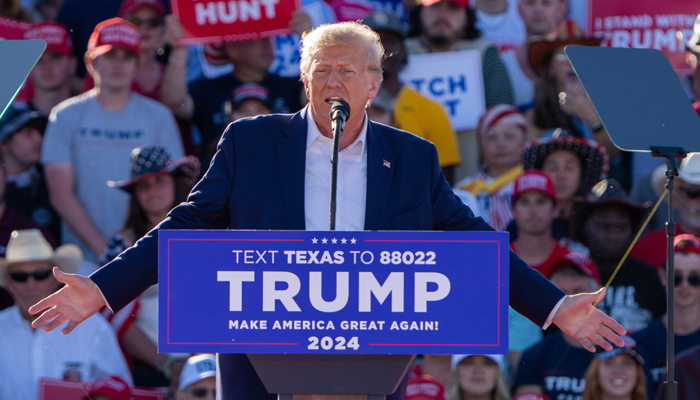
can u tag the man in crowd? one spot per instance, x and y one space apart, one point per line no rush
21 136
606 222
692 57
535 208
539 16
198 379
205 104
90 137
52 75
557 364
686 308
441 26
651 248
340 61
91 353
413 112
499 22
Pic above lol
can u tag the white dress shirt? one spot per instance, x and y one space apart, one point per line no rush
27 355
352 181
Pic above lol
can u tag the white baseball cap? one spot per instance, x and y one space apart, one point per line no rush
198 367
497 358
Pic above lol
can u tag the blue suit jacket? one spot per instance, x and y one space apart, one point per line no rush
256 181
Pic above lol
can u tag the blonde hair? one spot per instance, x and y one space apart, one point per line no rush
593 391
500 389
349 33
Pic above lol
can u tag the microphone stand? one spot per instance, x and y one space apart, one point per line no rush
338 127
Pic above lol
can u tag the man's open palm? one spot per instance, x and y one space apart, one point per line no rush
77 301
579 319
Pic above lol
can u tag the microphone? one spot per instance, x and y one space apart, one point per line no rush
340 110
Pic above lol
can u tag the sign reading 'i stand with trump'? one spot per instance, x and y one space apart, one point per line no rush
333 292
218 21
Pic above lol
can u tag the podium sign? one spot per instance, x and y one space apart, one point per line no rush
333 292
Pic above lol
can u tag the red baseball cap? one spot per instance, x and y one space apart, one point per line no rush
54 34
578 260
111 34
424 387
536 180
686 243
531 396
459 3
113 387
130 6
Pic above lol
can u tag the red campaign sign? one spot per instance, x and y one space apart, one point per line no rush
56 389
645 25
213 21
12 29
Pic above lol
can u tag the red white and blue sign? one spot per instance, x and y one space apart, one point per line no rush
333 292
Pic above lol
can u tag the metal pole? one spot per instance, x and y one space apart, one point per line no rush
338 128
671 387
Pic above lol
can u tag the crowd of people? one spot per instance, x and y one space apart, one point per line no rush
118 120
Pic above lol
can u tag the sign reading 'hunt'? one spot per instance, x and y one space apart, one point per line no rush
233 20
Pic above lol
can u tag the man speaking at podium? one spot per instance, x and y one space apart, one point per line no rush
272 172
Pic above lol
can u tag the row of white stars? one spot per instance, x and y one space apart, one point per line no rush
334 241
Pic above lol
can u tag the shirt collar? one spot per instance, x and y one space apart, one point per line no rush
313 134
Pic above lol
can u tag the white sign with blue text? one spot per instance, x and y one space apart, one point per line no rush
453 79
333 292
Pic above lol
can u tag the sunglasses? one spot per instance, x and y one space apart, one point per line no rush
201 393
693 280
147 22
690 192
23 276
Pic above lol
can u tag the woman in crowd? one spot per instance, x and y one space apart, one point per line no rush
616 375
557 103
575 166
561 101
501 134
157 185
478 378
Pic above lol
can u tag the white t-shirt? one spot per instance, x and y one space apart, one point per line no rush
505 30
98 144
523 87
91 351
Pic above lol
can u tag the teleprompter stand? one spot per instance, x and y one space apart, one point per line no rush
643 107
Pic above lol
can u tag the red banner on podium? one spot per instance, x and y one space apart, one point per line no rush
12 29
57 389
645 25
207 21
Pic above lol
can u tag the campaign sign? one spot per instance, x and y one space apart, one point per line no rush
453 79
206 21
13 29
333 292
645 25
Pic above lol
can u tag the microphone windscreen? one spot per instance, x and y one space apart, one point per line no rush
340 107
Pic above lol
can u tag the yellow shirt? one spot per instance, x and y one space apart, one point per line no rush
425 118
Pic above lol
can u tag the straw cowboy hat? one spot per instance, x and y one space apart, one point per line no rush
30 245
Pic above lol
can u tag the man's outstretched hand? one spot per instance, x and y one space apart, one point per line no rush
579 319
77 301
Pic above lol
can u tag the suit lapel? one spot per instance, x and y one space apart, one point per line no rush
380 167
291 154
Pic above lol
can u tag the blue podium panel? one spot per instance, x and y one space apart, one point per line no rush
333 292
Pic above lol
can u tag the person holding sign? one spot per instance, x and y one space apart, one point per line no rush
413 112
389 180
447 26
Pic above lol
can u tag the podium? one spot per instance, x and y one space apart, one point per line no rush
333 315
